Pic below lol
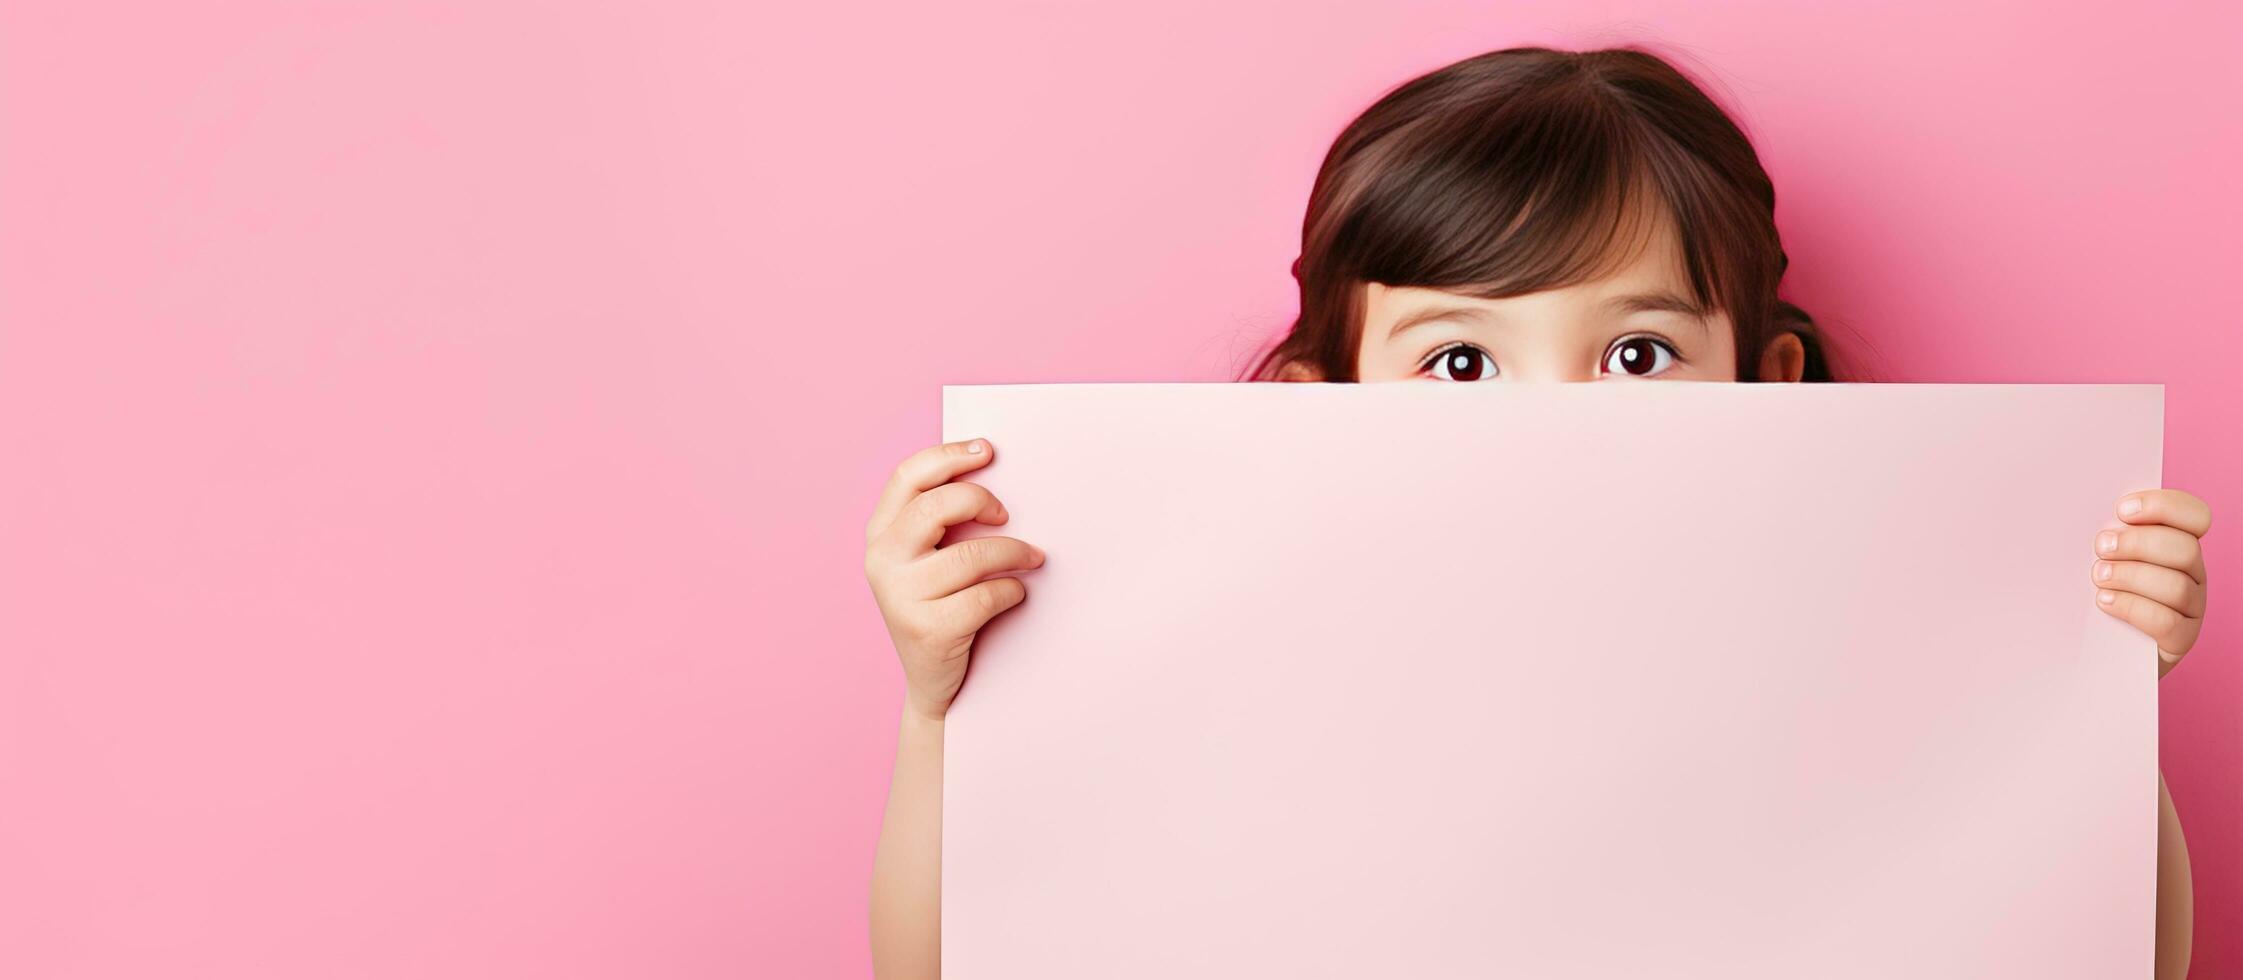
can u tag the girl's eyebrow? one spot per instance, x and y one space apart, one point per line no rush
1432 313
1661 302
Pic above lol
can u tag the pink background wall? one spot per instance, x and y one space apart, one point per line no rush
434 443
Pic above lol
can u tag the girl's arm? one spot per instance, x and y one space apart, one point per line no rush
2176 900
907 868
935 601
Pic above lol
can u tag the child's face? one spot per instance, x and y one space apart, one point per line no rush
1637 323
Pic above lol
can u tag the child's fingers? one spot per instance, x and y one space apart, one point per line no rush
2173 632
966 611
923 471
2172 508
2157 583
921 524
2156 544
962 563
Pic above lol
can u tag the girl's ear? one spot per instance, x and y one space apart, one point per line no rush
1299 371
1784 359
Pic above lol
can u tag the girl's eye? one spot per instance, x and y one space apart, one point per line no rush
1639 357
1463 362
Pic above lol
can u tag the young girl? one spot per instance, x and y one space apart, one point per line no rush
1524 215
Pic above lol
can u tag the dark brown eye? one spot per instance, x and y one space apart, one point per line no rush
1639 357
1463 363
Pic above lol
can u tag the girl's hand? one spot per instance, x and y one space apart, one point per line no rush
933 598
2152 574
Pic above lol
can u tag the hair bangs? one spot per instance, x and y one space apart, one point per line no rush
1541 196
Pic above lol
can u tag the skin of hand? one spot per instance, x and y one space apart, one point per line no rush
2151 573
935 599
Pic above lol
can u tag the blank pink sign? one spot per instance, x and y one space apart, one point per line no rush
1664 680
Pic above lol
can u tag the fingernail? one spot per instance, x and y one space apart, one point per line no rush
2106 597
2130 506
1039 554
974 446
2102 571
2106 542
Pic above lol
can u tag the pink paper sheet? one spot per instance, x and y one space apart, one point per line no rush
1620 680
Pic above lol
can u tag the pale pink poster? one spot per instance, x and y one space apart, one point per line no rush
1656 680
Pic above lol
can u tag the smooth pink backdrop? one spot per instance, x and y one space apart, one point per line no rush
435 438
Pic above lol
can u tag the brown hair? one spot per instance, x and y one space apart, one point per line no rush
1511 172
